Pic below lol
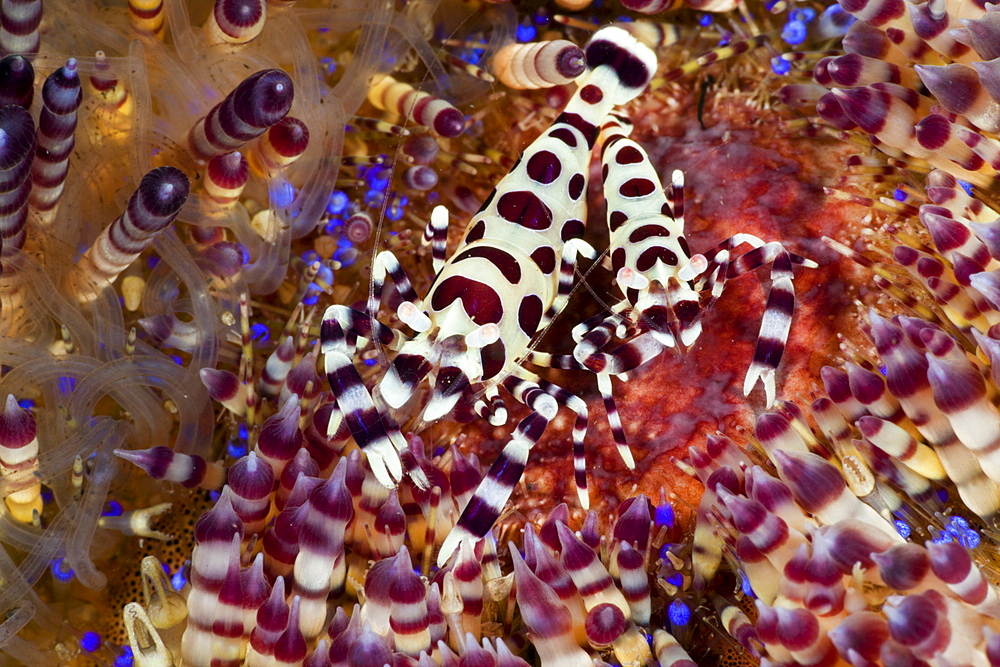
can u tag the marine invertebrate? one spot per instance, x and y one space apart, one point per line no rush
61 97
336 526
474 332
17 160
259 101
150 209
831 571
539 65
417 107
225 296
906 423
667 287
97 376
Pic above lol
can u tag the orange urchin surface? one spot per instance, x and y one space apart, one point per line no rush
745 172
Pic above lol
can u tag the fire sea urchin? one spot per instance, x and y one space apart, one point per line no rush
186 189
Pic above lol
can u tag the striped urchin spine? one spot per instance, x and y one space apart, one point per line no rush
539 65
61 97
19 21
417 106
19 462
150 209
17 149
235 21
17 77
258 102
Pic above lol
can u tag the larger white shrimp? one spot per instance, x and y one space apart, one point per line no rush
512 273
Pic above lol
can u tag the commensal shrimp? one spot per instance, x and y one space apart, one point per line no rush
666 288
470 333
